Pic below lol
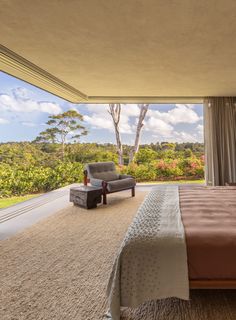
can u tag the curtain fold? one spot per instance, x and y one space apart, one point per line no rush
220 140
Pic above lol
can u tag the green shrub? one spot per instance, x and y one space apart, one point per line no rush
145 155
140 172
19 180
30 168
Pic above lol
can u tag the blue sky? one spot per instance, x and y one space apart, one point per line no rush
24 109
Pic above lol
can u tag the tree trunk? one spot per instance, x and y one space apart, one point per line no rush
63 150
142 114
63 142
114 110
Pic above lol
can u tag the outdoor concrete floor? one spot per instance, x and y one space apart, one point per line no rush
22 215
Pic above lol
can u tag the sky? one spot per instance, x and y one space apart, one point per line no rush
24 110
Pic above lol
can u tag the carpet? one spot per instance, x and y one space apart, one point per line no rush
59 268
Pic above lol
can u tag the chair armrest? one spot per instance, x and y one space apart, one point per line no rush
124 176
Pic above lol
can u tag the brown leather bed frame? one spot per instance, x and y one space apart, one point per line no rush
212 284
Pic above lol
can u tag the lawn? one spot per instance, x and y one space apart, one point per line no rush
7 202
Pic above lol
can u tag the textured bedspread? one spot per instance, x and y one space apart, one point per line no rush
152 261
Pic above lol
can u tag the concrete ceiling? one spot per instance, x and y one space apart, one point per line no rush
127 51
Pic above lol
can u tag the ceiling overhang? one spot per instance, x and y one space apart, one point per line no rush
15 65
99 51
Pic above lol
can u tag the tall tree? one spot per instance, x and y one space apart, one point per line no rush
62 127
115 110
143 110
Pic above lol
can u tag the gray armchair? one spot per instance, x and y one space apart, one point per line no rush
104 175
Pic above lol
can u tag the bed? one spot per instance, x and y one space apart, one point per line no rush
209 219
181 238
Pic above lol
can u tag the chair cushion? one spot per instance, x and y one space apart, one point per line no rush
102 170
96 182
121 184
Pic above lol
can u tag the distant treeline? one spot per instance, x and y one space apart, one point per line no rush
27 167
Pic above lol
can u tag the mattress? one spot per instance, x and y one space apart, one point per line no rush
209 219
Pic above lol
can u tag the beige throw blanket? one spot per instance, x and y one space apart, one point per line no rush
152 261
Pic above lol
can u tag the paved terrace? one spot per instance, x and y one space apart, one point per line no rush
22 215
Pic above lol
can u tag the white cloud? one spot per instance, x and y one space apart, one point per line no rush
189 105
19 101
159 127
200 131
176 136
180 114
20 92
3 121
28 124
183 136
98 122
130 110
101 119
200 128
160 124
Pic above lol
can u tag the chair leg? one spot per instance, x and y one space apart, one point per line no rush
104 198
85 177
133 192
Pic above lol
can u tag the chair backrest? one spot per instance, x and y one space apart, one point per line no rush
105 171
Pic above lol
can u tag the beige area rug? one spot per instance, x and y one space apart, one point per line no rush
59 268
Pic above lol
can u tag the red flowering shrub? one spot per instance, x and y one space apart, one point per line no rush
193 167
166 169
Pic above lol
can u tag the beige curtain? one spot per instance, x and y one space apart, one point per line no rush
220 140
